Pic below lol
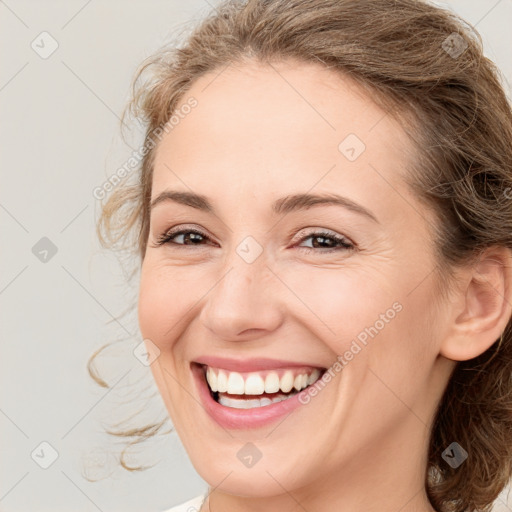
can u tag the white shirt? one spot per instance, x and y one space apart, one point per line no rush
192 505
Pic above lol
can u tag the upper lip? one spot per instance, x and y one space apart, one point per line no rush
250 365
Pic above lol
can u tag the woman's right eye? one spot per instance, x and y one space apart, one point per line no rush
170 237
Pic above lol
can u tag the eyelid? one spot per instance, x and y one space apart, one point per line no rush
315 230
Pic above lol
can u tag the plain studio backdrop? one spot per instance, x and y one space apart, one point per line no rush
64 81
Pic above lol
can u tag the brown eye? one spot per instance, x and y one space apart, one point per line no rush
190 237
327 241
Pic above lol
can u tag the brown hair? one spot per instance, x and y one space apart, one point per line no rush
425 66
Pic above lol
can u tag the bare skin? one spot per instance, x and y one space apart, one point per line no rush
260 133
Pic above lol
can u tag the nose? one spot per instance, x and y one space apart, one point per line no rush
244 303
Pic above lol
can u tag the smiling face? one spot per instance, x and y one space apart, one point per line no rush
255 273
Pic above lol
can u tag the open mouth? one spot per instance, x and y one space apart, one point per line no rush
251 390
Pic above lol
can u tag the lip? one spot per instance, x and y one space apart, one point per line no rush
250 365
231 418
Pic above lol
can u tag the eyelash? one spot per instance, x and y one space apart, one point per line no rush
166 238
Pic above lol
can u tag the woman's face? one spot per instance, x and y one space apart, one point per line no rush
275 286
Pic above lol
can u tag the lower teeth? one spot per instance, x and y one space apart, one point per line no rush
251 403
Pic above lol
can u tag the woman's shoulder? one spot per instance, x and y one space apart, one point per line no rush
192 505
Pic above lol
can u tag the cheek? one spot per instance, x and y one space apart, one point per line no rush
337 304
163 302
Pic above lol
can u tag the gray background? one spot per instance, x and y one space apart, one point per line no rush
60 140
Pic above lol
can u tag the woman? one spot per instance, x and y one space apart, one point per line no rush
324 224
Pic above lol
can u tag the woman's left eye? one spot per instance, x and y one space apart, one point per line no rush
326 241
331 239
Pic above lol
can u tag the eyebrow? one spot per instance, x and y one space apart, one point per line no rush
294 202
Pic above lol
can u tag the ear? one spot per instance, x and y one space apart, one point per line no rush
482 307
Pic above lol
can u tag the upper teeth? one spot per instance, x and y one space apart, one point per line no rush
257 383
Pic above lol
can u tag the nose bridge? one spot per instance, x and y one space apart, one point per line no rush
241 299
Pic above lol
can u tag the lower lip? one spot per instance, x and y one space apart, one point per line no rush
231 418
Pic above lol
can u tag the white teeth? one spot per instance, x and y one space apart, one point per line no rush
212 379
236 385
313 377
255 383
222 382
286 383
272 383
241 403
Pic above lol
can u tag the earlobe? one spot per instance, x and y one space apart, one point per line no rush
486 307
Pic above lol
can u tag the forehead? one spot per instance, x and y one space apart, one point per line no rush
270 129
